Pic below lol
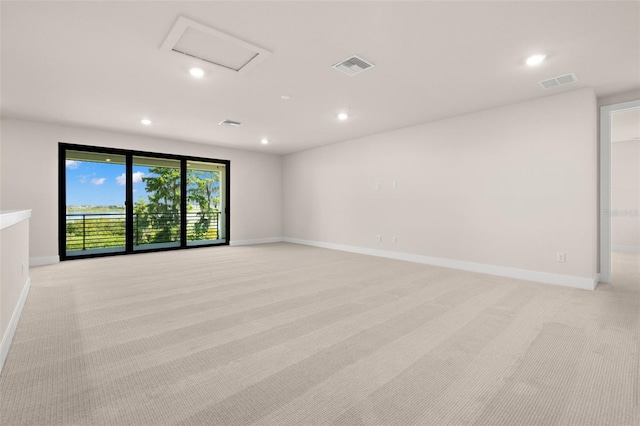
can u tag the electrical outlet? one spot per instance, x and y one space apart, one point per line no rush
379 238
394 185
394 239
561 257
378 186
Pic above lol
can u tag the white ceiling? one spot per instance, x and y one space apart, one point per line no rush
99 64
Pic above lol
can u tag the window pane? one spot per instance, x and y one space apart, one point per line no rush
156 209
95 203
205 217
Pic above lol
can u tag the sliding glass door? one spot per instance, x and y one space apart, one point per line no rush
205 215
94 213
116 201
157 203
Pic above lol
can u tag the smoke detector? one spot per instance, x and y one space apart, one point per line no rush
353 65
558 81
223 50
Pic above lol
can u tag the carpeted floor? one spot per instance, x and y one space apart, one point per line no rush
282 334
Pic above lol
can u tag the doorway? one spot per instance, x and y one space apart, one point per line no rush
619 182
120 202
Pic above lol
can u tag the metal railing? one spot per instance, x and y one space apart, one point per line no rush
95 230
85 231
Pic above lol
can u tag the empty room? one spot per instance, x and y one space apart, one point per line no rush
320 213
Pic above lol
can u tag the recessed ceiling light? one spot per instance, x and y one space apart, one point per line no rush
108 159
196 72
146 121
535 60
264 141
343 116
285 97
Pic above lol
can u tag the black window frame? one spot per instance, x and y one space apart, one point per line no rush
63 147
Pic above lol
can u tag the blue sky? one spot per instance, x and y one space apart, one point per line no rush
101 184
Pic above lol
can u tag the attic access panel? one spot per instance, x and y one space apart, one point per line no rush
225 51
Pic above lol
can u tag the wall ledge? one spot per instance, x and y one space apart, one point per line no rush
11 217
502 271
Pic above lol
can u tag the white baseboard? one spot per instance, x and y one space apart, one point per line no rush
257 241
40 261
503 271
13 324
627 249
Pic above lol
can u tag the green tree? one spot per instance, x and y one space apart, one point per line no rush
163 210
204 192
142 231
158 220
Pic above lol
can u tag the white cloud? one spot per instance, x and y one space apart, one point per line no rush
137 178
72 164
98 181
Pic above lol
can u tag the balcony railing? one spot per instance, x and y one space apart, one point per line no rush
87 231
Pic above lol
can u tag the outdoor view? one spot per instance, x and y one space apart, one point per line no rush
95 203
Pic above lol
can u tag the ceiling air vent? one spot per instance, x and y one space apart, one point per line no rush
229 123
353 65
215 47
558 81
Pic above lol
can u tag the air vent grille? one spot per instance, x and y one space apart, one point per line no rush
229 123
558 81
353 65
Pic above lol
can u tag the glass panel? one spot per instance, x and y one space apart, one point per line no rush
156 208
205 217
95 195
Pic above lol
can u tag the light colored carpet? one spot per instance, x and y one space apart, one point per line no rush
282 334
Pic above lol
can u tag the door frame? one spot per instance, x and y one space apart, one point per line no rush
605 184
129 154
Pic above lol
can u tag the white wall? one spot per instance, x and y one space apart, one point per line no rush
625 196
29 179
508 187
